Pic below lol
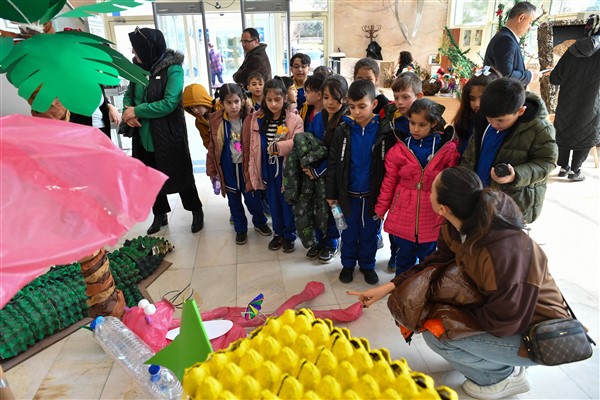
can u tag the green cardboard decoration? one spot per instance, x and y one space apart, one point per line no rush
189 347
99 8
79 63
69 65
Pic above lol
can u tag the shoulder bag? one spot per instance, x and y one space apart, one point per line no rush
558 341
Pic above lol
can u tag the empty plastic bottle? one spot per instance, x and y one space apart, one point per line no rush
131 352
338 216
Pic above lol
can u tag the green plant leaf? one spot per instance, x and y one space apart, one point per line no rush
6 46
55 7
101 8
68 65
25 11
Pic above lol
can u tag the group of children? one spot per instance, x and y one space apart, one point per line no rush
382 155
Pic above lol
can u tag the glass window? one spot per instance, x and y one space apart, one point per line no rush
474 12
308 5
569 6
308 38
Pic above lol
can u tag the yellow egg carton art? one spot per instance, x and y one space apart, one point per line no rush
297 356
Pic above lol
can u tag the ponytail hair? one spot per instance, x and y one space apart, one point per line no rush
479 209
228 89
338 89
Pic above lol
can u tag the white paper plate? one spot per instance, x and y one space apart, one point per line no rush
214 329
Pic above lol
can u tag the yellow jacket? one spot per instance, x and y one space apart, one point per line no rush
196 95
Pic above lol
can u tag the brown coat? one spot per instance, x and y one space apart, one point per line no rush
507 269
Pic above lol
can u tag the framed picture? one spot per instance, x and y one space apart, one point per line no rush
478 37
466 38
433 59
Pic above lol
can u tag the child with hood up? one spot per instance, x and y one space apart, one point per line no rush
198 102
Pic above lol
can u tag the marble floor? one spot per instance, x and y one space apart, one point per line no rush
226 274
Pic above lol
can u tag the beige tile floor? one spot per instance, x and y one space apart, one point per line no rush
225 274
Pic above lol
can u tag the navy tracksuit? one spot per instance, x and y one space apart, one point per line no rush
234 183
282 214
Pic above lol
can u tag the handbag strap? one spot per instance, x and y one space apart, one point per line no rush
574 317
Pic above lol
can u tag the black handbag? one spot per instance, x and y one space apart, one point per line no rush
558 341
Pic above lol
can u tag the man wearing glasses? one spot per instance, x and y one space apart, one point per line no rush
255 59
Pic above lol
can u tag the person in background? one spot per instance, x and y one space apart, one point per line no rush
367 68
323 125
101 118
161 141
355 171
323 70
292 91
516 133
314 99
216 64
504 50
271 133
470 98
225 159
577 119
405 60
300 66
255 85
198 103
410 168
482 339
255 58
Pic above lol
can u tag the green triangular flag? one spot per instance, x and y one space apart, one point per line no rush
189 347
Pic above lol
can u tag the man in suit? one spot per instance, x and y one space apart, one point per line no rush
504 52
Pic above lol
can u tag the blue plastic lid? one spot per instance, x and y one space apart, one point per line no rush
154 369
96 321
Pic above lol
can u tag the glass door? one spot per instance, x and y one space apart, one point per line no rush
308 37
272 21
183 27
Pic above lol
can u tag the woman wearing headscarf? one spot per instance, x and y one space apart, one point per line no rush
161 141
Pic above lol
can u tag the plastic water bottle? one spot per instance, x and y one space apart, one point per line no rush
216 186
338 216
127 349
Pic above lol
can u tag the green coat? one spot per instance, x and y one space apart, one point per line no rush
531 150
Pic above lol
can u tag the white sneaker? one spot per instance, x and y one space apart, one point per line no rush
516 383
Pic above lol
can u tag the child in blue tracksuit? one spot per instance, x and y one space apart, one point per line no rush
271 135
354 175
225 162
334 93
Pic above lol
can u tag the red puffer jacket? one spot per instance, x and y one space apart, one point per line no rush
405 192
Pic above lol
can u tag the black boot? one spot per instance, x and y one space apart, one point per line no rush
197 220
159 221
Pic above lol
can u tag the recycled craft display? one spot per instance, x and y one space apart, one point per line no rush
298 356
59 298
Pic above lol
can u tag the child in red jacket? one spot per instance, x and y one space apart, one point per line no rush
411 166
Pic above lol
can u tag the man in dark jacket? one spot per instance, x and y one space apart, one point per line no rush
504 52
255 59
577 120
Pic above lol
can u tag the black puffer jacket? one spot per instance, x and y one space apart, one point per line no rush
577 120
305 195
169 133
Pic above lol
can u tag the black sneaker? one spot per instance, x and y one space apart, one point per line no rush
392 265
564 172
346 275
576 176
370 276
241 238
276 243
264 230
313 252
289 245
327 255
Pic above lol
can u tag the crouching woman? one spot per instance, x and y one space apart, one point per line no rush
506 287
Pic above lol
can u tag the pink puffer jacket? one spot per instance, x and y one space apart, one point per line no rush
405 192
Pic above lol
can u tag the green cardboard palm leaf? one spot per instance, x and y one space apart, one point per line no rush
25 11
104 7
53 10
67 65
6 46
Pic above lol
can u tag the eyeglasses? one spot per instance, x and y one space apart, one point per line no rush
297 67
247 41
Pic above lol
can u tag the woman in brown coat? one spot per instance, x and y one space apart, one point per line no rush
484 238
